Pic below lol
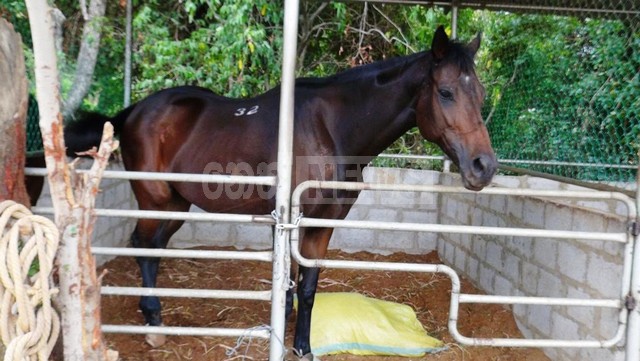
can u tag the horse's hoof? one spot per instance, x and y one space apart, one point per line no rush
112 355
309 357
155 340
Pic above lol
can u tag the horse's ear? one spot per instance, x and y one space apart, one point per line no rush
474 44
440 43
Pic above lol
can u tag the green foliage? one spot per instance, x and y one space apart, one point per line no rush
15 12
559 88
106 91
564 89
231 47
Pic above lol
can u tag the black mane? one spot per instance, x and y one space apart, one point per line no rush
457 53
361 72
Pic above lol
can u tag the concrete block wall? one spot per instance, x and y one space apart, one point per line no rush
114 194
409 207
527 266
373 206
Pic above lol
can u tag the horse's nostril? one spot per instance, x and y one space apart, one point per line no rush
480 165
484 166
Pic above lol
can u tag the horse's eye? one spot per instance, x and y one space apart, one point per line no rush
445 94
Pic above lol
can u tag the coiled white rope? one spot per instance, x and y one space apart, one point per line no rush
29 326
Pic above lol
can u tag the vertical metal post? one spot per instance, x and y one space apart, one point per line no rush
454 22
446 167
632 349
281 256
127 56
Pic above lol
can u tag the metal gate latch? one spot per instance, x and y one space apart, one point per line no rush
285 226
630 302
635 228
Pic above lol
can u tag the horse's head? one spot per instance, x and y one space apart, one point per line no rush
448 111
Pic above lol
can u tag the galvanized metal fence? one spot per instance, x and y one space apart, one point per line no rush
629 283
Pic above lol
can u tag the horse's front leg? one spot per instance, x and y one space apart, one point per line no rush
314 246
307 284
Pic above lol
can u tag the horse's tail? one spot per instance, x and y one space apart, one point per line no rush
85 133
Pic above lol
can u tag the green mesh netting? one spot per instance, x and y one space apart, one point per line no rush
566 88
34 137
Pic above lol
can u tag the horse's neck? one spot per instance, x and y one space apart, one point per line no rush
382 107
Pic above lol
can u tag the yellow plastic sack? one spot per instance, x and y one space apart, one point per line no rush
352 323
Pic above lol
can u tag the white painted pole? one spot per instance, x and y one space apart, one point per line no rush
281 256
446 167
188 331
127 55
461 229
185 216
632 349
353 186
173 177
454 22
263 256
188 293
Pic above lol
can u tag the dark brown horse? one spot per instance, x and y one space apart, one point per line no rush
357 113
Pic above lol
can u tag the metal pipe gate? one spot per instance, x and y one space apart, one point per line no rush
627 288
629 284
288 220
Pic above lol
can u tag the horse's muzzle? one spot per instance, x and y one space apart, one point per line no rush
479 171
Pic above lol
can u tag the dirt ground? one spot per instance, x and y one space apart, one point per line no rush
427 294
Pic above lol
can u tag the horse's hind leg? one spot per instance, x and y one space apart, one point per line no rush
288 310
152 234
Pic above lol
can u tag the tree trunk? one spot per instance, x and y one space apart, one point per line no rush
73 199
87 56
13 111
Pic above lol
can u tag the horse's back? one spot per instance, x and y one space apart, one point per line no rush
195 120
193 130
